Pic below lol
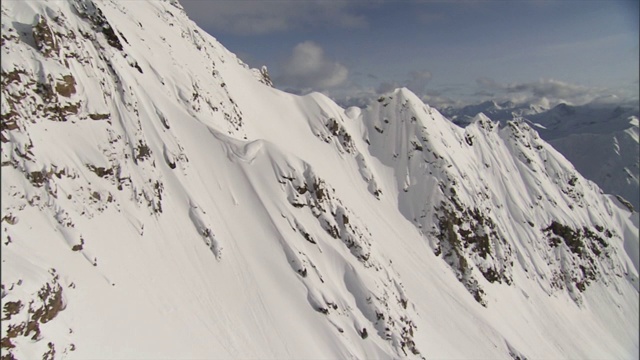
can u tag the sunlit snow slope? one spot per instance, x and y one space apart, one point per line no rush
600 140
161 200
603 145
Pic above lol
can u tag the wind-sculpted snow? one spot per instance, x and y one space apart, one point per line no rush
161 199
609 159
454 189
388 302
600 140
329 248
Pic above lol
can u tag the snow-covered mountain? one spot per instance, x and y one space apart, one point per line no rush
161 200
600 140
504 111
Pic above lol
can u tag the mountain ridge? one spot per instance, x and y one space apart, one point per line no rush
226 218
600 139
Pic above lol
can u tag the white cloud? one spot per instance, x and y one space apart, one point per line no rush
418 81
309 69
260 17
549 91
440 102
386 87
352 93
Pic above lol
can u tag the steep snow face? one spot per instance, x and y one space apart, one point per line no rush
602 143
610 159
160 199
600 140
473 191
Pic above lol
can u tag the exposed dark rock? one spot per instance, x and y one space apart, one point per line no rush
45 38
100 116
67 87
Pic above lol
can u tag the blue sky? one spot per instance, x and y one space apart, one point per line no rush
448 52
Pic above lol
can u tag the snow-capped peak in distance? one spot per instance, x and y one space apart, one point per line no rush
507 110
160 199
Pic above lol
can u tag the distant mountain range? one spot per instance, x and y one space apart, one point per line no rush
503 111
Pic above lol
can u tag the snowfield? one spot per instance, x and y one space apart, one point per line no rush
161 200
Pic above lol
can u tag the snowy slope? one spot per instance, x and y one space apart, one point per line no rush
600 140
610 159
161 200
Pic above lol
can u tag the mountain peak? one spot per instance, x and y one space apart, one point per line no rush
564 109
404 94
